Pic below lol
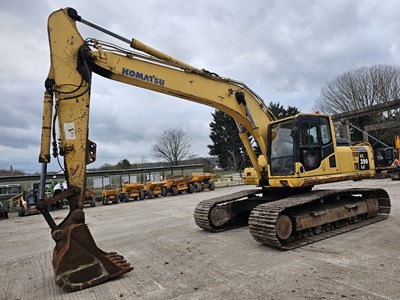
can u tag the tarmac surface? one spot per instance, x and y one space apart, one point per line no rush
174 259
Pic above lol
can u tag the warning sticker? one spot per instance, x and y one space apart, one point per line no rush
69 131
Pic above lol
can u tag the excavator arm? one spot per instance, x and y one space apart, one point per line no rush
73 60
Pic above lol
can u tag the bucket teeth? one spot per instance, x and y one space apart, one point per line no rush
78 262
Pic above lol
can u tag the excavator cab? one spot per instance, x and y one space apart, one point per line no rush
306 139
384 157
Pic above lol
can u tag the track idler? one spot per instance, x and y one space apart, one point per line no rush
78 263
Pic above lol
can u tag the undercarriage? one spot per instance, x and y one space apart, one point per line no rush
287 220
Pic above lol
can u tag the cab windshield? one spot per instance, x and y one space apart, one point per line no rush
282 162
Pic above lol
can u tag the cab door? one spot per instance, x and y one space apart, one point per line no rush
315 141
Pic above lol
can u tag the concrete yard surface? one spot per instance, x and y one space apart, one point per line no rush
175 259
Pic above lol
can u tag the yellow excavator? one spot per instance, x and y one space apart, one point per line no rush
296 154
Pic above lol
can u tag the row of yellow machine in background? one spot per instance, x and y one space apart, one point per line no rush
172 185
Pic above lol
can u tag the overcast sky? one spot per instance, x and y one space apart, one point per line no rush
284 50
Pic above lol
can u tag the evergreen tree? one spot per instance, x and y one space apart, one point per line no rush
227 145
123 164
280 112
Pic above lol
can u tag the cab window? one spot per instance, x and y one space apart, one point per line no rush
325 131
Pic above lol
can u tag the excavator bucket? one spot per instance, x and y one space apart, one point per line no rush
78 263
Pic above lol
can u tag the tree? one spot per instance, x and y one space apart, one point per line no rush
227 145
123 164
361 88
172 146
280 112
